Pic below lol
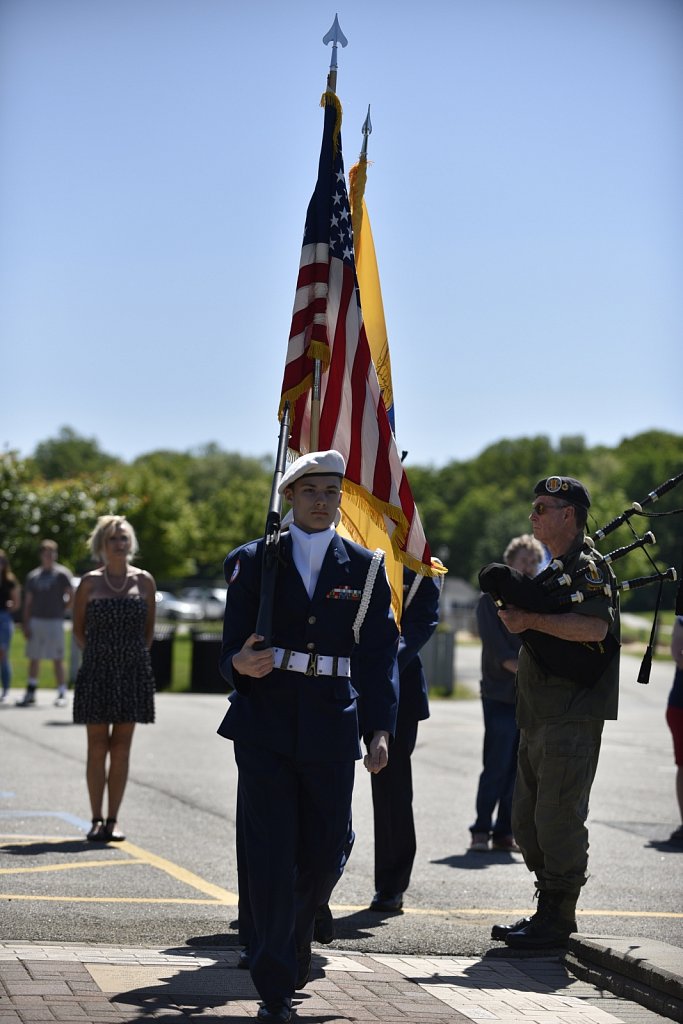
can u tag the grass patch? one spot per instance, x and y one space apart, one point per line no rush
460 691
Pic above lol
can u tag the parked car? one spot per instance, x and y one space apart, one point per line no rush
210 599
177 610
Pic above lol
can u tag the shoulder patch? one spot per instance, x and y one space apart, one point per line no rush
595 577
235 571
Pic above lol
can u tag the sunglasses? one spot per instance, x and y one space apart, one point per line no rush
540 508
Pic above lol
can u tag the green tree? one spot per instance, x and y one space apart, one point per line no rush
70 455
228 518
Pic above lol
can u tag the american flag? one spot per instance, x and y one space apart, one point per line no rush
327 324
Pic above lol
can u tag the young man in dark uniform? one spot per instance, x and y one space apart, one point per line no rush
561 715
392 790
295 719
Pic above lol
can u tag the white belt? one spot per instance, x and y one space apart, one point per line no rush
311 664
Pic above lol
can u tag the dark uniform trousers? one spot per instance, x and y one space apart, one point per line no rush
392 788
296 739
295 819
392 805
556 765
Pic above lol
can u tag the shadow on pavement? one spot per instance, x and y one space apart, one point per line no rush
477 861
223 939
362 924
39 848
664 846
202 991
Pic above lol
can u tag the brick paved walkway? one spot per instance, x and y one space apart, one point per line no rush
82 984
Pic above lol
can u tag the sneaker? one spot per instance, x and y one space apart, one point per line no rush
506 843
61 701
28 699
480 842
3 696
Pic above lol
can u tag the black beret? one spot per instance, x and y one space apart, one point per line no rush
565 487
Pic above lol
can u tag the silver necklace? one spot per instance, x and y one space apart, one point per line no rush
117 590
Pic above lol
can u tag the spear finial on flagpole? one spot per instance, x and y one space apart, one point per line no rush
366 130
334 36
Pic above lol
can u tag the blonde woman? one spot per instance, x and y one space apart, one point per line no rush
113 623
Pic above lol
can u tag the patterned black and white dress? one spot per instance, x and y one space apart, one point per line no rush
115 682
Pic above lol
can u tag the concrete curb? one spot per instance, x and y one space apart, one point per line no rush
643 970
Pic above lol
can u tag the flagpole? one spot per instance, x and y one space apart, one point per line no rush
367 131
334 36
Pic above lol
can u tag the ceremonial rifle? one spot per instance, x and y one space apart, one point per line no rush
271 540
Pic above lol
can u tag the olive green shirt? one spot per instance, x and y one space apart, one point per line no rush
543 694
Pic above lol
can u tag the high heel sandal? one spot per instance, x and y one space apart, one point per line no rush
111 833
96 833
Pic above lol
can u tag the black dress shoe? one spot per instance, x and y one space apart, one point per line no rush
303 967
546 935
323 929
499 931
243 959
387 903
277 1011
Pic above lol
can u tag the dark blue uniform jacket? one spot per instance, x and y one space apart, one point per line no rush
311 718
418 622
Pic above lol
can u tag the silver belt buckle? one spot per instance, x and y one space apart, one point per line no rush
312 667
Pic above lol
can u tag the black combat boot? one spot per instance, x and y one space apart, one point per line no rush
499 932
550 926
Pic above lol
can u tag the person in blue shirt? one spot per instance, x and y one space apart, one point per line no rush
492 827
296 716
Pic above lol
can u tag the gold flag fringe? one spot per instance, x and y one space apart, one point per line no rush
377 509
358 176
330 99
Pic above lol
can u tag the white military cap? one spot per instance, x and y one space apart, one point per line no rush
329 463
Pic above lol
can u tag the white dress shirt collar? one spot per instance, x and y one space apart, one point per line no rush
308 552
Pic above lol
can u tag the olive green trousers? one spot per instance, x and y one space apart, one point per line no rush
556 766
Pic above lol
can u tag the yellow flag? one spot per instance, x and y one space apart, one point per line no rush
356 521
368 283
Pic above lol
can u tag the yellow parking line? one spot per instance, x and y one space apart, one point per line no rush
71 867
497 912
136 856
108 899
181 874
224 897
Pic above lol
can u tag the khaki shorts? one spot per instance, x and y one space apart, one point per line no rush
47 639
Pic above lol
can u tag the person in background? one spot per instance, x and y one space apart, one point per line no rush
674 718
499 652
48 592
10 599
392 789
114 613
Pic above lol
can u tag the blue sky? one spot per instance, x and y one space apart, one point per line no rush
525 196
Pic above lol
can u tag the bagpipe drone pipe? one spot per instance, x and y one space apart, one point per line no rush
555 591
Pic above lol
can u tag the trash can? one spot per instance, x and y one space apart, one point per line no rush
437 660
161 655
205 675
